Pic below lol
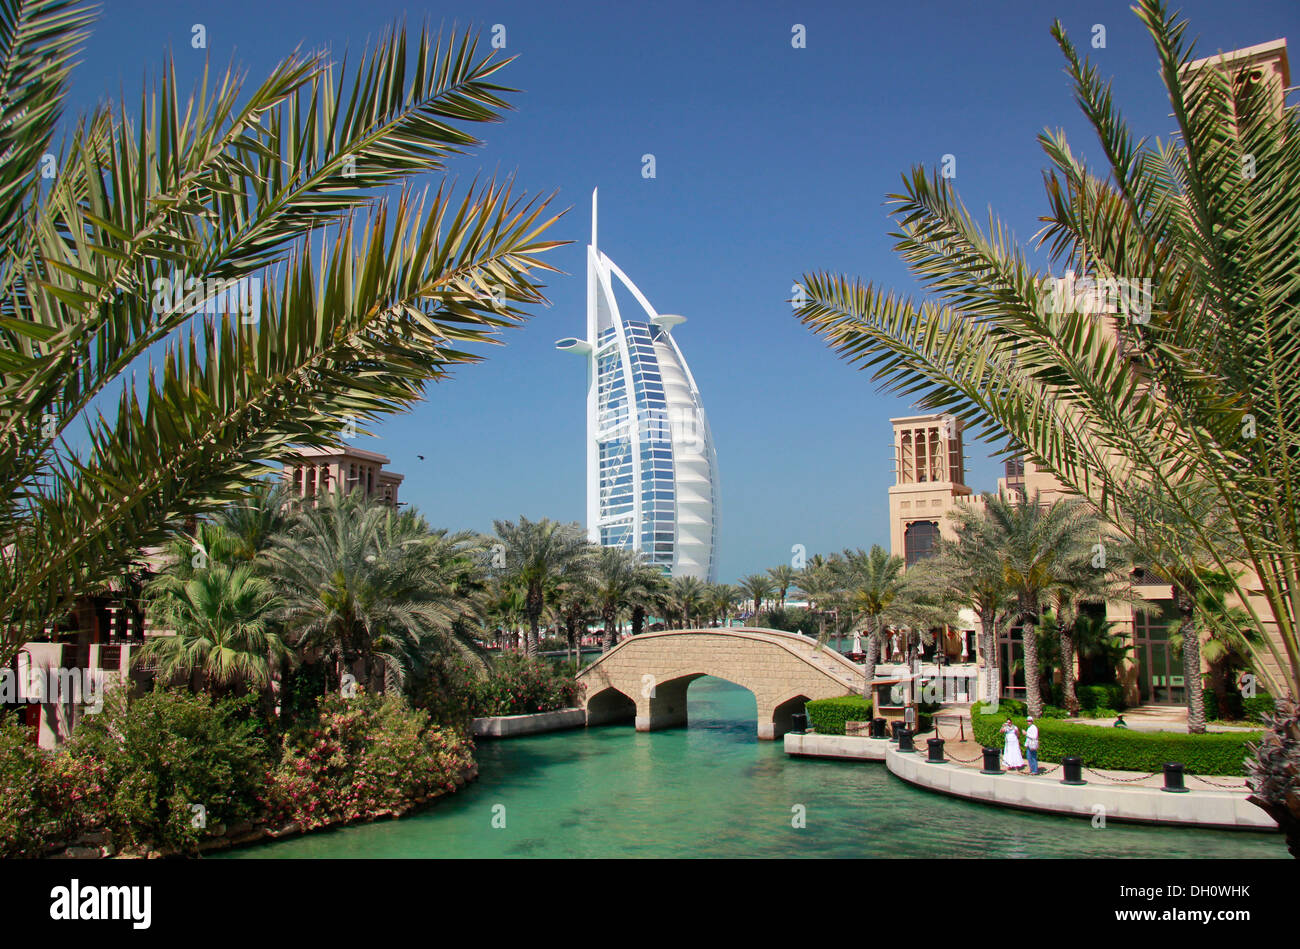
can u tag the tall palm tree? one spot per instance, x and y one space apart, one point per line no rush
819 586
1180 400
758 587
537 554
969 569
254 520
686 597
872 581
506 609
648 594
362 586
1038 546
725 597
156 212
783 577
221 623
616 577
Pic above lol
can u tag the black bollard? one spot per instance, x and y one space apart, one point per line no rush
935 745
1174 778
905 740
1072 770
878 727
799 723
895 727
991 763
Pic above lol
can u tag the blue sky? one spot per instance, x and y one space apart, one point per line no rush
770 161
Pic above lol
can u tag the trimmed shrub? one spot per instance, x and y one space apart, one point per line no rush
168 751
827 716
518 685
1108 695
365 756
1254 709
1120 749
46 797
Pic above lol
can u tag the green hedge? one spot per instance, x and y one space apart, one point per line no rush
1254 709
1119 749
1092 696
827 716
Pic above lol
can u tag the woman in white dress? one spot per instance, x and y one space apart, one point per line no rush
1011 747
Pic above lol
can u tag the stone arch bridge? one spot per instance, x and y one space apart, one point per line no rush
645 677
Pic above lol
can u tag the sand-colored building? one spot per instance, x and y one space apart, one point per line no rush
930 486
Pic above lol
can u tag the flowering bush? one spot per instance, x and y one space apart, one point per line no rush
364 755
519 685
175 764
46 798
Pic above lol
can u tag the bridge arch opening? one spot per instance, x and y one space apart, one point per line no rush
783 714
610 705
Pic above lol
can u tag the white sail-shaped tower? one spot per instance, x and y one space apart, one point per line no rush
652 472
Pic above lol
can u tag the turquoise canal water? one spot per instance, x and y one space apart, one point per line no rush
715 790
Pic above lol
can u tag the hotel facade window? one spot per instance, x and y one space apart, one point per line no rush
651 465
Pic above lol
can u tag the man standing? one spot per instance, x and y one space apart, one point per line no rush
1031 745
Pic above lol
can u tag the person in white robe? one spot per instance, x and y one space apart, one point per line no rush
1011 747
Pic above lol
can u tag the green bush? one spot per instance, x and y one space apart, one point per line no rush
168 751
364 755
827 716
1254 709
1119 749
46 798
518 685
790 620
1108 695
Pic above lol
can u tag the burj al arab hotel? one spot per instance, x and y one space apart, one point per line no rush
652 472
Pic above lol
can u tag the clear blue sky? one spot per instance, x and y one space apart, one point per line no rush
771 161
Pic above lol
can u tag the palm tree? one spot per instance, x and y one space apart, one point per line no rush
917 606
256 519
1088 578
968 568
505 608
819 585
99 268
1038 544
686 597
575 603
363 584
220 617
758 587
1179 401
648 594
872 580
783 577
537 554
724 597
616 576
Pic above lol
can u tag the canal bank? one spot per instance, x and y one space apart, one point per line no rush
715 790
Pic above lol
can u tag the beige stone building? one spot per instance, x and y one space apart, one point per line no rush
930 486
314 471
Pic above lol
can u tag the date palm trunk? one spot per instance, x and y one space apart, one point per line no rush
1191 661
1029 636
1066 636
988 645
607 642
873 656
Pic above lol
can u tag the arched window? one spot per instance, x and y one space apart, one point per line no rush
919 538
